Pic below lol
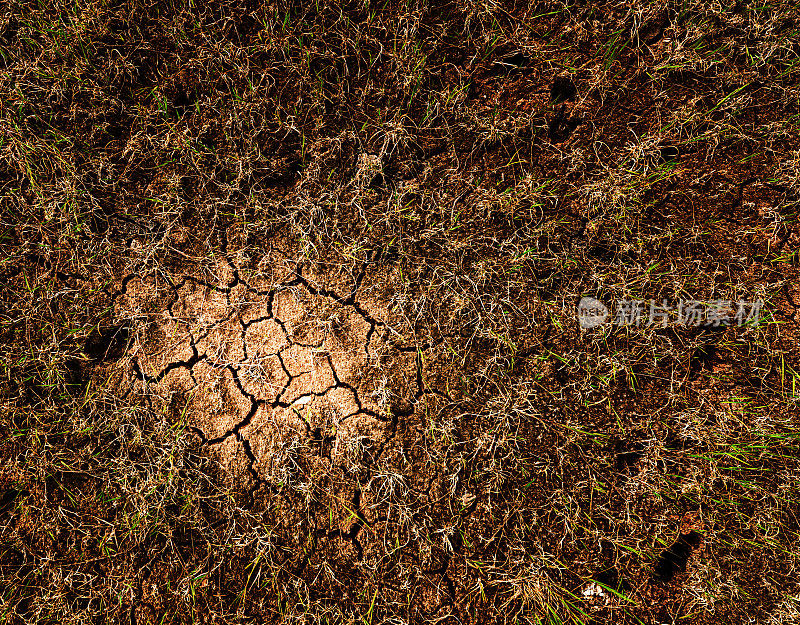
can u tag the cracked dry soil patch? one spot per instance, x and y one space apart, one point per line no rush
259 367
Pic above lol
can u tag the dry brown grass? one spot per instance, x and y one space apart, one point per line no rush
482 166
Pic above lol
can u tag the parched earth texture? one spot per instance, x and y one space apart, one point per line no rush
260 364
288 306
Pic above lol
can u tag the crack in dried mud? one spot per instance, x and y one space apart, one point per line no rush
294 357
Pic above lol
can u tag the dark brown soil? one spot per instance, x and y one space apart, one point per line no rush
288 312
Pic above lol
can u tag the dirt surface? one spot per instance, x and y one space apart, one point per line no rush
289 301
288 363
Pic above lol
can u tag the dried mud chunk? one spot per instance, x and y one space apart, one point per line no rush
268 272
359 439
160 344
390 374
310 330
254 308
200 306
347 348
297 389
298 360
173 393
290 305
223 343
294 368
332 278
343 401
353 330
141 295
323 377
264 378
217 405
364 428
280 419
238 298
208 268
320 418
275 437
176 381
264 338
308 322
232 453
